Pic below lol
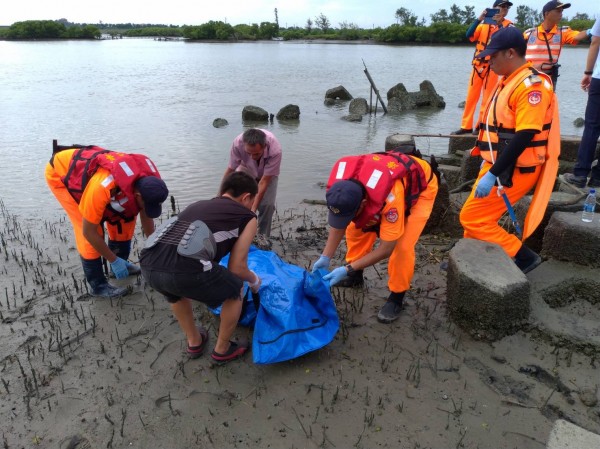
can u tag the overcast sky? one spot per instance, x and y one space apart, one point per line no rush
363 13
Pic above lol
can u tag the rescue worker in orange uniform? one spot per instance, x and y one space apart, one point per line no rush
96 186
545 42
482 78
513 143
387 195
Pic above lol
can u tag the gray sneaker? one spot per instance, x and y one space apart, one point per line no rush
107 290
392 308
577 181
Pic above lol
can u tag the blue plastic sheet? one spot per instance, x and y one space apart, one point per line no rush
297 313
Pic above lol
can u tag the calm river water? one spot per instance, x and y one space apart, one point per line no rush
160 98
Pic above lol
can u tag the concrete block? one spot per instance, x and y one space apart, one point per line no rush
469 167
488 296
559 202
451 174
567 238
464 142
565 435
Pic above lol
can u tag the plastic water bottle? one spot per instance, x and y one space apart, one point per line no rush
588 207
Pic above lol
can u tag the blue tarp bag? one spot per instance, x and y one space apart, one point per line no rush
297 313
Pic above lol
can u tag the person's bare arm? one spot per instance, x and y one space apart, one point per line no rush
90 232
263 185
591 60
228 171
147 223
334 239
238 259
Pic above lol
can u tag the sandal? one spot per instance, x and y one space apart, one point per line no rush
196 351
235 352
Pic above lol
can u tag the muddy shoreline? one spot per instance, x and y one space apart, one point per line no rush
79 372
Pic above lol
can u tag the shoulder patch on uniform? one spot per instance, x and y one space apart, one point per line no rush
534 97
392 215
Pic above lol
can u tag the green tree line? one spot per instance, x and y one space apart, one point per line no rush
446 26
49 29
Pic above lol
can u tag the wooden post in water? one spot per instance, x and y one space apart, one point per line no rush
374 88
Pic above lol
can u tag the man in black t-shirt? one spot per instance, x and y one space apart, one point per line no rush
183 278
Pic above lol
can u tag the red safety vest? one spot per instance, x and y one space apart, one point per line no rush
125 169
378 172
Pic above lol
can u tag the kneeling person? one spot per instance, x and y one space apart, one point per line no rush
183 278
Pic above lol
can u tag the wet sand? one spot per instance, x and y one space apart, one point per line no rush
82 372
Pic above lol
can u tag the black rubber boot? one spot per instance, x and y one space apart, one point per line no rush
392 308
92 269
354 279
527 259
122 250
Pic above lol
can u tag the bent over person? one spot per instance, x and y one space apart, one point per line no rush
387 195
515 144
181 261
258 153
96 187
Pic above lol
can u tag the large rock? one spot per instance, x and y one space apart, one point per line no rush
399 99
352 118
289 112
487 295
338 93
254 114
569 238
359 106
220 123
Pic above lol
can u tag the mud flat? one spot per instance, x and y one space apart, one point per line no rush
79 372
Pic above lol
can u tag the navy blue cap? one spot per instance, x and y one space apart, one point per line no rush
554 5
154 192
503 39
502 3
343 200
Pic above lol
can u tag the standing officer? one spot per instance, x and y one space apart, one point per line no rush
545 42
516 142
587 148
97 186
482 79
387 195
258 153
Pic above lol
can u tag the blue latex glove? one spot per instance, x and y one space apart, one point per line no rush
485 184
119 268
336 276
323 262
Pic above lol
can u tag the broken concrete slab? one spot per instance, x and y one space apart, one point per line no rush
570 239
488 296
565 435
565 305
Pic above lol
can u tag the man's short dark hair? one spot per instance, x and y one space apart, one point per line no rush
238 183
253 136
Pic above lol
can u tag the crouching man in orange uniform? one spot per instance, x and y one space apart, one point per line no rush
387 195
97 186
519 142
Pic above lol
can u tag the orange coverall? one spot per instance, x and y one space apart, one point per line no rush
394 225
94 201
479 216
482 78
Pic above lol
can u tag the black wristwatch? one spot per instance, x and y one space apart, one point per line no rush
588 72
349 269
